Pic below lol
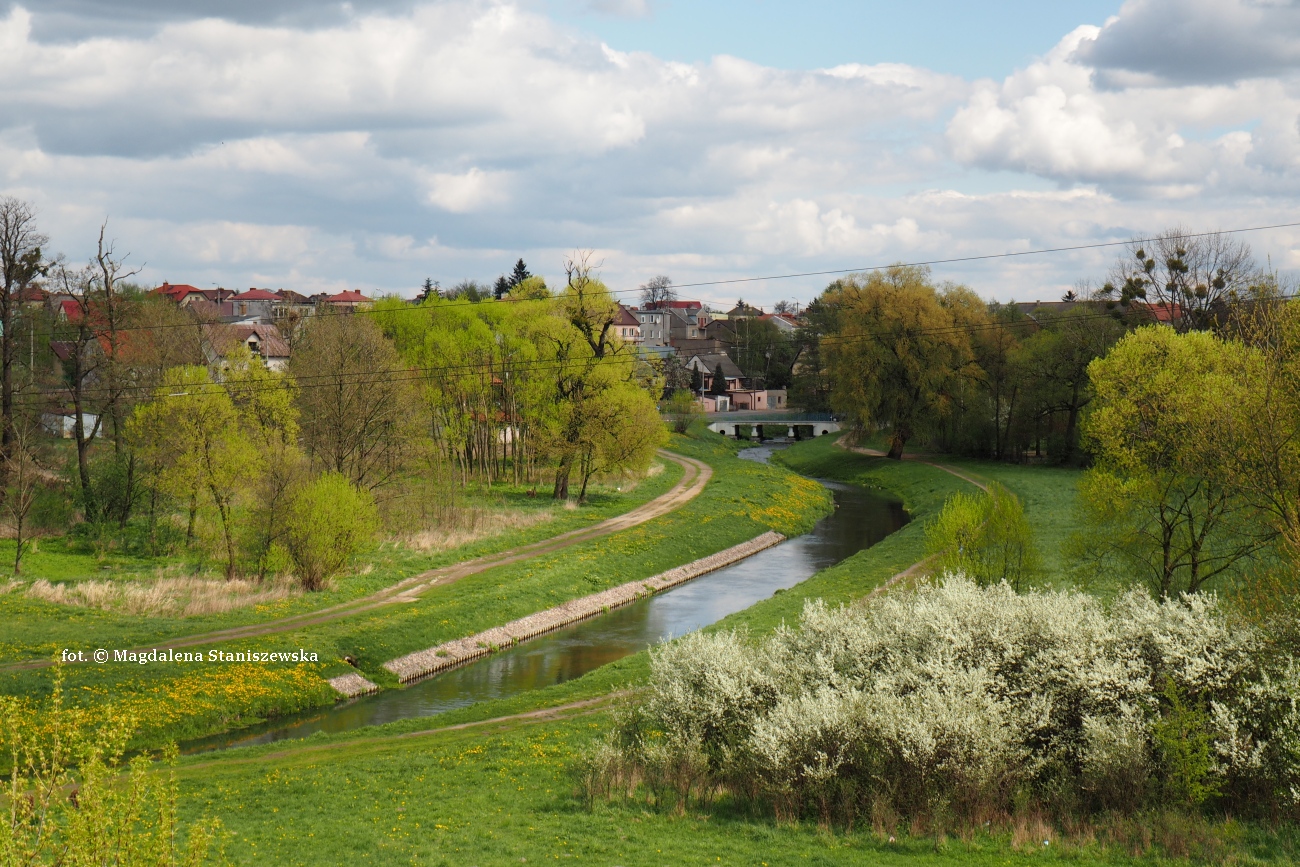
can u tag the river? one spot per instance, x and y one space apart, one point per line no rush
861 519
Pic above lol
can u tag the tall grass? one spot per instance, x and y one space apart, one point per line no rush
166 597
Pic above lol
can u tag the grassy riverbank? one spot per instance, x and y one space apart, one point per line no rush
416 792
743 500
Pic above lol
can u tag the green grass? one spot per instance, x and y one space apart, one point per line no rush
499 793
743 500
30 629
502 794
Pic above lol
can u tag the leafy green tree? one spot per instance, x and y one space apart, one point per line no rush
329 521
985 537
900 352
1051 366
1166 430
190 437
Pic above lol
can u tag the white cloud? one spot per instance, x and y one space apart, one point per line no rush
472 191
374 147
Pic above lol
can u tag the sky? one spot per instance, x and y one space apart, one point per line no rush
370 145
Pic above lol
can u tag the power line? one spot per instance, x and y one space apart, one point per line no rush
735 280
480 369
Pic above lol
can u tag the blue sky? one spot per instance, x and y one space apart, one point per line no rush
322 146
974 40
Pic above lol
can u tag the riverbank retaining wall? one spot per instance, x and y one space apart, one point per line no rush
453 653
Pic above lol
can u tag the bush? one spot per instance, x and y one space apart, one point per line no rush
682 410
984 536
329 521
968 701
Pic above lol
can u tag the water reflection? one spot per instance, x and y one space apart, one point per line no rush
861 519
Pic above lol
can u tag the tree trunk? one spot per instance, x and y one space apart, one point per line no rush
194 510
561 491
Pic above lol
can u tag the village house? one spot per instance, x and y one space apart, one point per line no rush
627 326
263 340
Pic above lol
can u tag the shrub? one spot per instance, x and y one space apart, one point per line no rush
328 522
984 536
681 410
70 798
967 700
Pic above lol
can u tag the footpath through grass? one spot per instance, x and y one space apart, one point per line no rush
183 700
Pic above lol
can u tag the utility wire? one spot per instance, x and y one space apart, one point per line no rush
734 280
421 373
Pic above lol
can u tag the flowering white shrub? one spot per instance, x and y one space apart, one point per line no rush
961 698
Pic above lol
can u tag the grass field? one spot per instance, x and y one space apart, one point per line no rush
743 500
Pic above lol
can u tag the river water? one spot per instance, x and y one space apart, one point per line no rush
861 519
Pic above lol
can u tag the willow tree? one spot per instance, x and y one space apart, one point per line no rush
900 351
190 438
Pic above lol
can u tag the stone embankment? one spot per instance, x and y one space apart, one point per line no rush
352 685
454 653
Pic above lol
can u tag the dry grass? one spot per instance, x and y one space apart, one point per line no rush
166 597
12 585
471 525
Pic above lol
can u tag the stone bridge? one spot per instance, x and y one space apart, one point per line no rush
793 427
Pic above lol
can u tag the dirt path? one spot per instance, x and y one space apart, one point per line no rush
915 568
695 476
877 453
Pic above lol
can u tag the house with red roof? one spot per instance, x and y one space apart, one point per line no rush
349 300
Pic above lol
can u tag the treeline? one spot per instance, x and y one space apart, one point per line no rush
185 440
934 364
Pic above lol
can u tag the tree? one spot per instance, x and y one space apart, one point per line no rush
622 432
502 288
810 381
20 263
1166 430
1051 365
985 537
329 521
682 410
718 386
190 438
1193 278
658 291
519 274
355 401
24 476
898 355
1270 459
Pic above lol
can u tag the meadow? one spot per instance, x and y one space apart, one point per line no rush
743 500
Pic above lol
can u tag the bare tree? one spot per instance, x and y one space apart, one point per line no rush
358 406
113 313
20 263
1190 279
24 481
658 290
80 354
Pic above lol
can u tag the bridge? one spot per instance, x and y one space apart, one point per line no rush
761 425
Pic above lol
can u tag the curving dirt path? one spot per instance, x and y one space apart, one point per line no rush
695 476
